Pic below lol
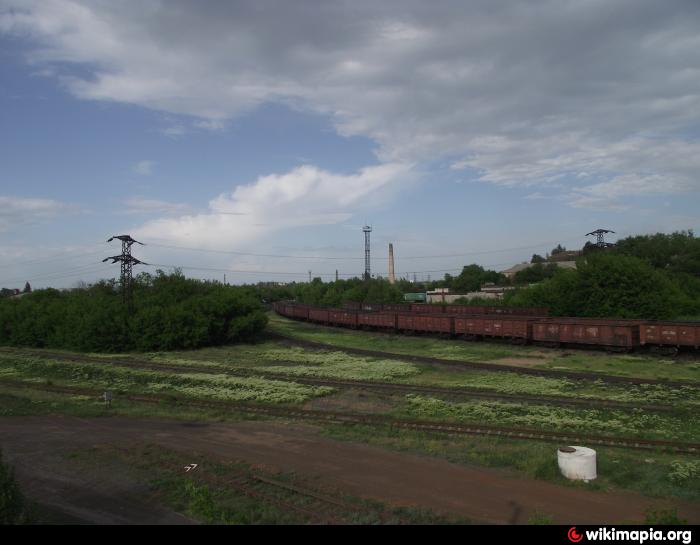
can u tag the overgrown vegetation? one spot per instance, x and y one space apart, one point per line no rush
611 285
333 294
170 312
652 277
193 385
638 423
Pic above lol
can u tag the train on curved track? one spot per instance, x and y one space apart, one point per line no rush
523 325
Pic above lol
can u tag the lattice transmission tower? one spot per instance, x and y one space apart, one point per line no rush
368 272
127 263
600 237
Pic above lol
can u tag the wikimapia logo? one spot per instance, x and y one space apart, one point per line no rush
574 536
637 536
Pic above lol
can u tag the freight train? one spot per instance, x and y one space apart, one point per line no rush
517 325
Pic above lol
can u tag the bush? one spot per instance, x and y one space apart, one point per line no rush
171 312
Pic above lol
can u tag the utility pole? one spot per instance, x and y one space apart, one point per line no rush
309 277
367 230
336 275
127 263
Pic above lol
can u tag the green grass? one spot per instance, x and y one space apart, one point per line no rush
195 385
640 366
685 397
336 365
19 401
651 473
280 364
547 417
667 479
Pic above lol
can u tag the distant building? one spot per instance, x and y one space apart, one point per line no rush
565 260
510 273
414 297
487 291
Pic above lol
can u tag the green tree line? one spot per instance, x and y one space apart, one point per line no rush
651 277
170 312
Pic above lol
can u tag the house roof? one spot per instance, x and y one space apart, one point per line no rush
517 268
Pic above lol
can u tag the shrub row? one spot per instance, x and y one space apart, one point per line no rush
170 312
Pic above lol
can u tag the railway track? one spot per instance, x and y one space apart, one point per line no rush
384 387
482 366
331 417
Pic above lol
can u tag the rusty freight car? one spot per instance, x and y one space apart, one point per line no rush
377 320
342 317
464 309
517 311
619 334
427 308
516 328
670 334
426 323
318 315
396 307
300 312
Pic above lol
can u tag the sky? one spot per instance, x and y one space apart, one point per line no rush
255 139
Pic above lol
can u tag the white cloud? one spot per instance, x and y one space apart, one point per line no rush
210 124
565 94
303 196
144 168
173 131
19 211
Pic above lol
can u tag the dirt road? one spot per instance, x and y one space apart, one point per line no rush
117 495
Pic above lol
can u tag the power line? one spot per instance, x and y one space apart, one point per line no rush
232 252
70 271
321 258
89 268
57 257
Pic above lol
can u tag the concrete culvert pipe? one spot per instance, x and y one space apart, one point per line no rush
577 463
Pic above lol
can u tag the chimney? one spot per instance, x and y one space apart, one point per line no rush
392 278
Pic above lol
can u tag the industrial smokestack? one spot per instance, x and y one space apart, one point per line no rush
392 278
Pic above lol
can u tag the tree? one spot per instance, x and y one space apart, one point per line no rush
536 258
612 286
473 277
27 288
536 273
559 249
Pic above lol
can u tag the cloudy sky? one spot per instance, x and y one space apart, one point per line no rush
256 138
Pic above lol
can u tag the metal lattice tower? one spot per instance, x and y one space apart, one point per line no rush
127 264
367 230
600 236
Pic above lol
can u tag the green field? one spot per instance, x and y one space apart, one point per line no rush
269 373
